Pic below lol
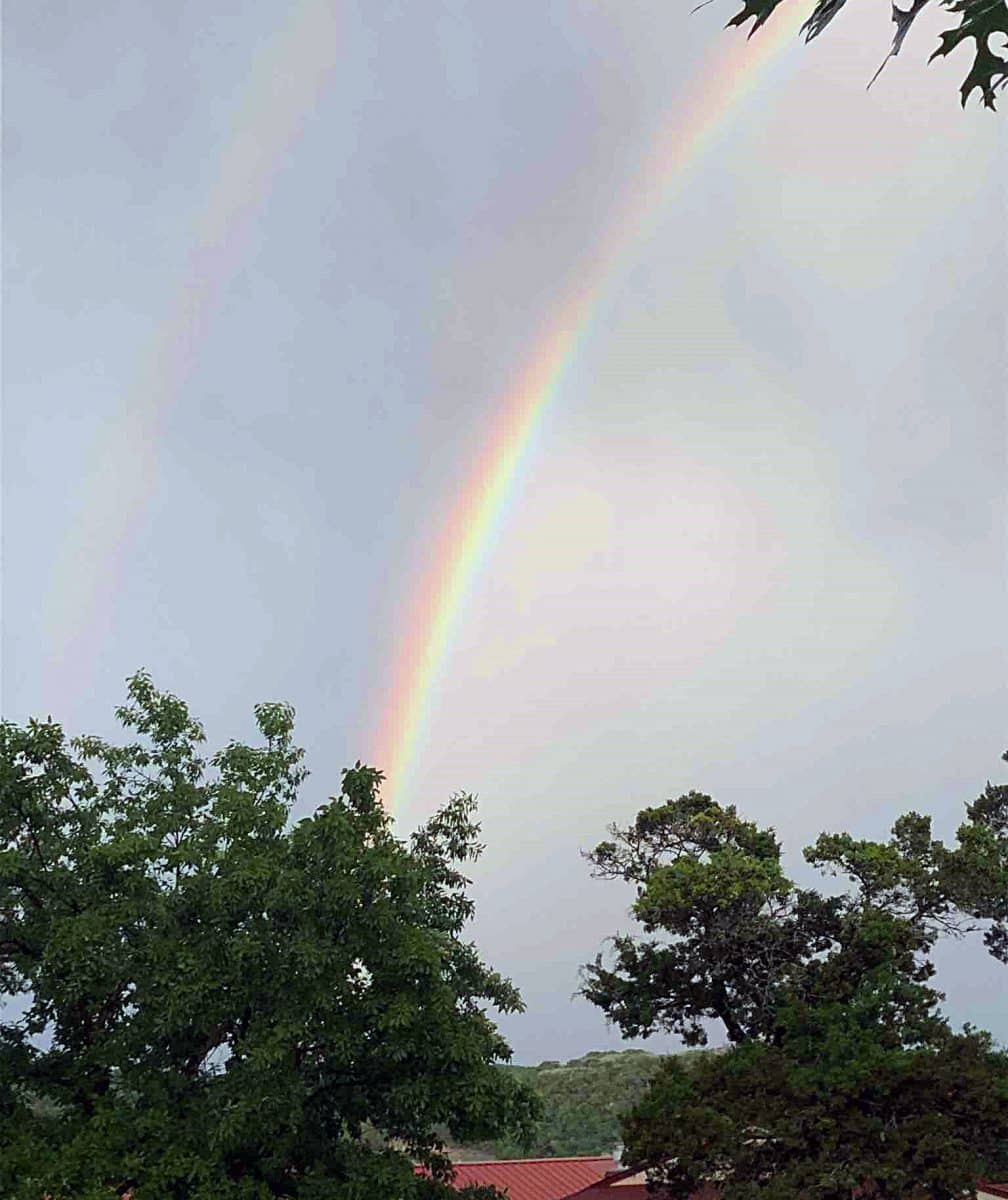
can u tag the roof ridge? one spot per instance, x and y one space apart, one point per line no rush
490 1162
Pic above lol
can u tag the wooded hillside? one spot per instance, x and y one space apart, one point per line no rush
582 1102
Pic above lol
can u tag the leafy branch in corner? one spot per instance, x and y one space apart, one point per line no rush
979 21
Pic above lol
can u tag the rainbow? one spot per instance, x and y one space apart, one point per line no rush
721 84
284 83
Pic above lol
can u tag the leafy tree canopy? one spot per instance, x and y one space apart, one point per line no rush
977 871
217 1003
825 1109
978 22
842 1071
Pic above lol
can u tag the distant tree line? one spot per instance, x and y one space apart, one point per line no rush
583 1102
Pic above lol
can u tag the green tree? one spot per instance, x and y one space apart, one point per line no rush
950 890
976 873
841 1071
732 928
826 1108
978 21
218 1003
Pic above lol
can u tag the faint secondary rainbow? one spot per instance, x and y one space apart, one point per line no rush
283 85
720 85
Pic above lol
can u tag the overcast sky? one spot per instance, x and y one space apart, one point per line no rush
270 268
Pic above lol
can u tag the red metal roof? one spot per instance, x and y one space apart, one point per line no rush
535 1178
626 1191
595 1178
631 1184
623 1176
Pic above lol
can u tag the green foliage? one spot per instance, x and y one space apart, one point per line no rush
979 21
218 1002
843 1072
731 924
977 871
583 1102
944 890
825 1111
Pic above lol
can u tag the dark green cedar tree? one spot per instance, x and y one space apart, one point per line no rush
206 1001
840 1073
977 870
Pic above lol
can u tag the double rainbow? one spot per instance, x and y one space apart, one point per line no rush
285 83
